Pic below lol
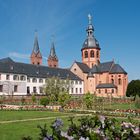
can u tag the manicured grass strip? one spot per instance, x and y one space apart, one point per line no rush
15 131
20 115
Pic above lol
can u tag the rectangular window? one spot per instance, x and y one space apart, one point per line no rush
15 88
34 90
41 89
28 90
1 88
28 79
80 90
7 77
71 90
76 90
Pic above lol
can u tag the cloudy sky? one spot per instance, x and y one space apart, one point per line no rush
116 24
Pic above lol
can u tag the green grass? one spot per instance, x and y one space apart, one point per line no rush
122 106
16 130
20 115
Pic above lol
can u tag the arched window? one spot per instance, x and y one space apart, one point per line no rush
97 54
119 81
112 81
34 80
86 54
92 53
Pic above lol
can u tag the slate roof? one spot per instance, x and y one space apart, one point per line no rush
83 67
7 65
110 67
106 85
117 69
36 49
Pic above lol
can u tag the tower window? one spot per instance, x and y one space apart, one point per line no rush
105 90
86 54
119 81
112 81
97 54
92 53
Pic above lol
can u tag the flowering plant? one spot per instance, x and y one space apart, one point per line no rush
91 128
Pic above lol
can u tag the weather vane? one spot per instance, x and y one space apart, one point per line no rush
89 18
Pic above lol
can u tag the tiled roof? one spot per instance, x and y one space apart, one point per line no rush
83 67
7 65
107 85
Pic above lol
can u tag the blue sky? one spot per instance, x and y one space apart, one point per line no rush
116 23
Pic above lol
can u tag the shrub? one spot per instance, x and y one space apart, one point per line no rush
44 101
137 101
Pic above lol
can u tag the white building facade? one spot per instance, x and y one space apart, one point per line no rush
27 79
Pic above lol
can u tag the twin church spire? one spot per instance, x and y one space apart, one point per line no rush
36 56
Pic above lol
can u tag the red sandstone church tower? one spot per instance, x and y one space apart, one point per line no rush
90 50
52 59
36 57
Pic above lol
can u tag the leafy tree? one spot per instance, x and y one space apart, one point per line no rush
44 101
54 86
63 98
137 101
88 100
133 88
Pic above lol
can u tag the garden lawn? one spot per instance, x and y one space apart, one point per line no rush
16 130
20 115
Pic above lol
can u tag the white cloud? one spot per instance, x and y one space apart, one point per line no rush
19 55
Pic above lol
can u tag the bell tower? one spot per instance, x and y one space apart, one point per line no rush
91 49
52 59
36 57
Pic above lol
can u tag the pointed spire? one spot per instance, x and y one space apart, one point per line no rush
52 51
89 19
36 49
90 27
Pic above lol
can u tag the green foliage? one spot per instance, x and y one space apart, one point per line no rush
22 100
137 101
27 138
63 98
88 100
33 99
44 101
133 88
54 86
91 128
